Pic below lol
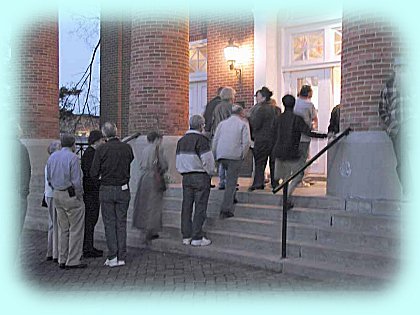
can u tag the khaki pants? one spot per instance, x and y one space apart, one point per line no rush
71 222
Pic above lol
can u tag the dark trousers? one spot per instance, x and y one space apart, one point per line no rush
396 143
195 194
92 205
262 152
114 206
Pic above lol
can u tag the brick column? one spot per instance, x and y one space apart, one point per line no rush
37 80
115 70
159 81
369 47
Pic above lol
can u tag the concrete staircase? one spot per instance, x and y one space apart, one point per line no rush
328 238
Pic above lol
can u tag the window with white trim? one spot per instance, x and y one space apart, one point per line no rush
313 44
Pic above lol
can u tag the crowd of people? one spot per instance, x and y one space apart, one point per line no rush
216 143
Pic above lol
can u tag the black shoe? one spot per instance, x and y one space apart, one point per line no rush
62 266
98 251
92 254
221 187
252 188
155 236
289 205
212 186
55 260
225 215
79 266
49 258
235 200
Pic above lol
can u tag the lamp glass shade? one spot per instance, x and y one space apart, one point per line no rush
231 53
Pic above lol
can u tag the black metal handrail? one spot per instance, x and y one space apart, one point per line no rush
285 185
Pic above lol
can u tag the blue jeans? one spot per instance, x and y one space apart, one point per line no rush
114 205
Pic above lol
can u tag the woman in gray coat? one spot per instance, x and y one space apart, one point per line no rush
148 203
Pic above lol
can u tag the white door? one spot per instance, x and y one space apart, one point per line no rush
320 81
198 97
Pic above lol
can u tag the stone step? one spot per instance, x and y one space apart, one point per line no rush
344 257
296 231
344 220
327 271
338 254
271 262
267 198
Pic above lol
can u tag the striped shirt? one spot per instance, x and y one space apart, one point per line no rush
193 154
390 109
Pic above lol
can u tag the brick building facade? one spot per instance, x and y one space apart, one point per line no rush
145 82
37 78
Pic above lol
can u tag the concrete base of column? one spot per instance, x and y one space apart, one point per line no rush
362 165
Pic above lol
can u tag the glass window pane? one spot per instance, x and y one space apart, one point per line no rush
337 42
198 59
308 46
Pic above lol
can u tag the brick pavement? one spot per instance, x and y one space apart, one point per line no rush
154 272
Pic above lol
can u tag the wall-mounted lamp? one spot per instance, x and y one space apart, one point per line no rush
232 55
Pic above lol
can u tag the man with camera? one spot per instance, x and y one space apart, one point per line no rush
64 175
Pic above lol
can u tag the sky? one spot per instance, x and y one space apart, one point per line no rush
78 36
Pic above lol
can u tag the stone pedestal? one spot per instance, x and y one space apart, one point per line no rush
362 165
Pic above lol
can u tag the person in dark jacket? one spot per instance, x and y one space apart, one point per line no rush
91 195
288 129
222 112
208 113
334 126
24 180
262 123
112 163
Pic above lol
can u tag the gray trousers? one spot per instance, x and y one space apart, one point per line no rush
304 153
114 206
195 195
284 169
52 248
71 224
232 168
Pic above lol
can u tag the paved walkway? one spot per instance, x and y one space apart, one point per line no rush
153 272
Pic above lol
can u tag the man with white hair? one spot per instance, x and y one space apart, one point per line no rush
221 112
111 164
195 162
230 146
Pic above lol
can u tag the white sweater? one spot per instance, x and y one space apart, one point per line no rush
232 139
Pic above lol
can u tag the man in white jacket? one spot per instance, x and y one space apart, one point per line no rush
231 143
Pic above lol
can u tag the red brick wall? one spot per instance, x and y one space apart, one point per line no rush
198 26
369 48
37 80
239 27
159 77
115 71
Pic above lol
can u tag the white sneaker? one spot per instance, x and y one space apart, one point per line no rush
186 241
114 262
203 242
